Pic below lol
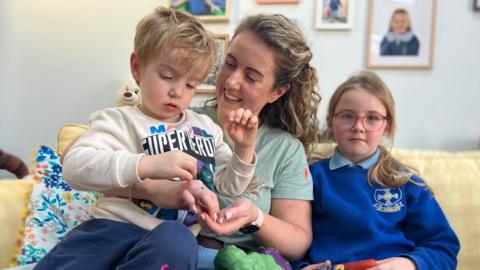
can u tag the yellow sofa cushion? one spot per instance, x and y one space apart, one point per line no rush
12 215
67 134
455 180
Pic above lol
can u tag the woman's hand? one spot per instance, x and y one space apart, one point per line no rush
231 218
395 263
317 265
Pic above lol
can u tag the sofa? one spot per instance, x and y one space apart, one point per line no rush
453 176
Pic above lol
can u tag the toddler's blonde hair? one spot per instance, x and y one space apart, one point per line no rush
167 29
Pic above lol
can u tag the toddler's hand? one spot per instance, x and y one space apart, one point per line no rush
242 127
200 199
168 165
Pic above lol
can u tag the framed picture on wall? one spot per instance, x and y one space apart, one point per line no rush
476 5
278 1
205 10
208 85
334 14
401 34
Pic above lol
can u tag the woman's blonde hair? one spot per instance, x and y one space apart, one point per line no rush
296 111
167 29
388 171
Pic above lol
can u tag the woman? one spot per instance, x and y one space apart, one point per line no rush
267 70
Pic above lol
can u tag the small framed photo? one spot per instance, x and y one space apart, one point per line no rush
208 10
334 14
278 1
208 85
476 5
401 34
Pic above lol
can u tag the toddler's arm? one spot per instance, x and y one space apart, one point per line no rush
235 172
108 155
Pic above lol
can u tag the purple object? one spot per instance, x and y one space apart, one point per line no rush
279 259
190 219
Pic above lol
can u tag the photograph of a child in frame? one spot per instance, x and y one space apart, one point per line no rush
335 11
401 34
400 39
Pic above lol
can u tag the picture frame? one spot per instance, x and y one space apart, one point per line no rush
401 34
208 85
334 14
476 5
278 1
207 11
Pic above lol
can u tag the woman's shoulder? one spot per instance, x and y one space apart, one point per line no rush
277 134
279 137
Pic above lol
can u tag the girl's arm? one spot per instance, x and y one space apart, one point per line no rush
436 245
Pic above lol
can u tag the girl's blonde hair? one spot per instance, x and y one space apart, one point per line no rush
388 171
167 29
400 11
296 111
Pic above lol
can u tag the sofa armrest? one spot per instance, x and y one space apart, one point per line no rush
15 196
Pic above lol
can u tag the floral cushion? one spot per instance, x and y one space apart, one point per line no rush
54 208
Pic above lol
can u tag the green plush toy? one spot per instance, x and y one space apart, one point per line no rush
233 258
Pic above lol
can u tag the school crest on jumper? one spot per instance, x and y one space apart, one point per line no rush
388 200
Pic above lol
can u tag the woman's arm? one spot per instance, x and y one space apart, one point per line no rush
289 219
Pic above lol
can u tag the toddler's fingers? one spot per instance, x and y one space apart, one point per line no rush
231 116
253 122
183 174
245 117
236 116
189 200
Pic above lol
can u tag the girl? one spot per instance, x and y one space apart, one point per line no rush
400 40
367 204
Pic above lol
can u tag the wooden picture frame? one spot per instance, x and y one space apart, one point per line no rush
207 11
334 14
208 85
401 34
278 1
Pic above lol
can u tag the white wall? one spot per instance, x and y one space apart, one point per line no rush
62 60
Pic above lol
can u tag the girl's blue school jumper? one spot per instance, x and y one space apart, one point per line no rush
353 220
